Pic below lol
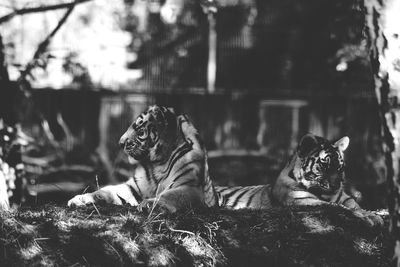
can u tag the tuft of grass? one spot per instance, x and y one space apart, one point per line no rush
121 236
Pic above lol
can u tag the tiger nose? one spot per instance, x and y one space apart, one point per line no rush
122 141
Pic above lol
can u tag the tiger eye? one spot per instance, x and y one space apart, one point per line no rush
141 133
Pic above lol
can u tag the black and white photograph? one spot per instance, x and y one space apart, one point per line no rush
199 133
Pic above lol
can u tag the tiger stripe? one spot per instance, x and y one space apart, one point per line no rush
185 148
239 197
136 194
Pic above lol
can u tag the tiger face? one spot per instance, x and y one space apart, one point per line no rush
151 136
321 166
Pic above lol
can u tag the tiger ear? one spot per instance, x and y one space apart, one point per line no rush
171 110
307 143
342 143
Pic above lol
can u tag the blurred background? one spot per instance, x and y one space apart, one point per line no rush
253 76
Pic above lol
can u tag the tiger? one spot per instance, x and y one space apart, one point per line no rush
313 176
173 170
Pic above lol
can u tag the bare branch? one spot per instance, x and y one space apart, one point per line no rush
3 68
39 9
43 45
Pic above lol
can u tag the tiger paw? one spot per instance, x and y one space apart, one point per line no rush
81 200
370 218
374 218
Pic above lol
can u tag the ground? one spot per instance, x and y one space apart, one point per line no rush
121 236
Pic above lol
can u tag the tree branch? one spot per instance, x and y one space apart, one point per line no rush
39 9
43 45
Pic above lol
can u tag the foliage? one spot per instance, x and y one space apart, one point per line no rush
72 58
120 236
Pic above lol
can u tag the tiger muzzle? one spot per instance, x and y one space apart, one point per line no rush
127 144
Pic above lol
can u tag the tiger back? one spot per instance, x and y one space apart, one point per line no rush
240 197
172 172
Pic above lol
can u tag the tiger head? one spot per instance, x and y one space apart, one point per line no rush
320 164
152 135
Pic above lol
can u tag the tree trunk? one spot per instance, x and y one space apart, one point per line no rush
8 92
4 80
383 35
4 84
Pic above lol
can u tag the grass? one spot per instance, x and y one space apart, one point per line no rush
120 236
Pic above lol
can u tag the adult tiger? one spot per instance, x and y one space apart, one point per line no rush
314 176
173 171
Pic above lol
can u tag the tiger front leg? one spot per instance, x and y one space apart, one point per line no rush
368 217
112 194
302 198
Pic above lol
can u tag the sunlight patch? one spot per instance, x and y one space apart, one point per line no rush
316 225
30 252
201 250
365 247
160 256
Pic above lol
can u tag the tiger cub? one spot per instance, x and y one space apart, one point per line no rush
314 176
173 171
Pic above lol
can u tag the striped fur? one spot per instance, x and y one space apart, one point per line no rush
314 176
239 197
173 171
319 169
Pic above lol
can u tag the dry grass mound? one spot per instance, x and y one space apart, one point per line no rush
121 236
